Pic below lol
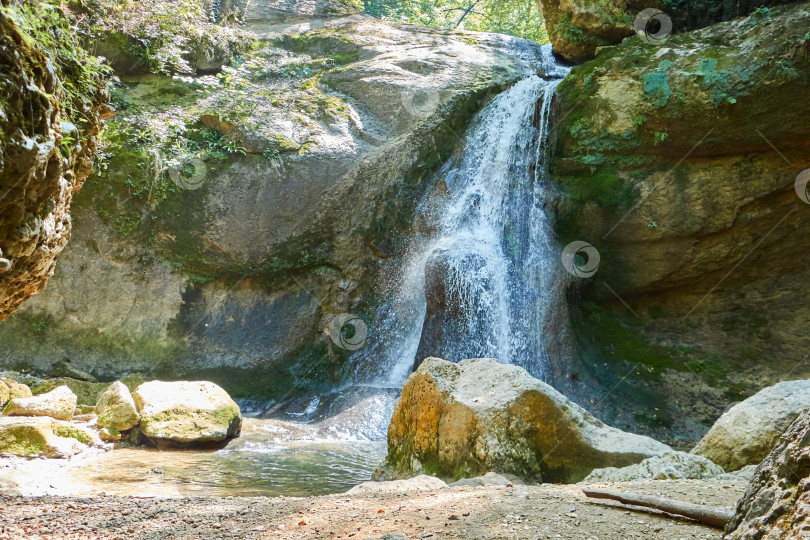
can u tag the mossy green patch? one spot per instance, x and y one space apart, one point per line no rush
61 430
656 84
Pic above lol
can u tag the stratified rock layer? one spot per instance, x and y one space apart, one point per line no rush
777 503
463 420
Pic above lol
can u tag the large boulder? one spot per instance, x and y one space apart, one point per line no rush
777 503
116 409
747 432
12 389
187 412
59 403
42 437
669 466
463 420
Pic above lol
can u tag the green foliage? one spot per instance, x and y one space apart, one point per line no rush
656 84
604 188
570 32
40 323
46 28
660 136
520 18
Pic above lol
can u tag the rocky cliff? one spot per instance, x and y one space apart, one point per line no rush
239 214
680 164
51 98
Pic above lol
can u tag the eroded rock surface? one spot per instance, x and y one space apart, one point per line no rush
466 419
42 437
46 150
777 503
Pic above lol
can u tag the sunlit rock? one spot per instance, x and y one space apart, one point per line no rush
747 432
417 483
59 403
12 389
463 420
43 437
187 411
116 408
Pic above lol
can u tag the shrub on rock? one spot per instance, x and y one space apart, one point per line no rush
464 420
187 412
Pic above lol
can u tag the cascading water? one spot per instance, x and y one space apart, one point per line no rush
483 281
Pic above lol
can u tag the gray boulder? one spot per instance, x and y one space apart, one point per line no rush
669 466
747 432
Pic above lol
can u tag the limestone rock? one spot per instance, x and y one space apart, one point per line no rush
747 432
777 503
116 408
42 436
669 466
15 390
463 420
417 483
187 411
59 403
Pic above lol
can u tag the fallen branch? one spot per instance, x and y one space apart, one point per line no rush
710 515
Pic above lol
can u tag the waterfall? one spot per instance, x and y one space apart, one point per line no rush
480 279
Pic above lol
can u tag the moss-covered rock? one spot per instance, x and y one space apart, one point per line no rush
51 96
186 412
116 409
678 164
42 437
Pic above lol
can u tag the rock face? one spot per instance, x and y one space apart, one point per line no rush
59 403
669 466
42 437
747 433
463 420
116 409
777 503
417 483
665 164
340 135
47 152
187 412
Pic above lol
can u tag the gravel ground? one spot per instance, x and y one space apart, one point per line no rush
536 512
